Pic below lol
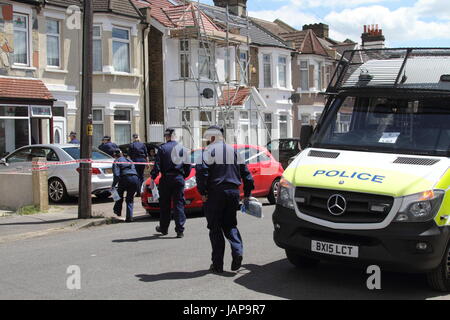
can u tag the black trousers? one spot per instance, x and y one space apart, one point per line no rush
171 190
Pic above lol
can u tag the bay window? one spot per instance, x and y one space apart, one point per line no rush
267 70
185 59
97 121
21 39
304 76
53 43
282 72
97 45
122 126
121 49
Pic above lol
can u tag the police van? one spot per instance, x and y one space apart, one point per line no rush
371 185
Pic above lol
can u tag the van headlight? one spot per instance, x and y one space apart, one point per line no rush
286 194
420 207
191 183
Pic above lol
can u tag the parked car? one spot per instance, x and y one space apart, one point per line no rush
284 149
266 171
63 180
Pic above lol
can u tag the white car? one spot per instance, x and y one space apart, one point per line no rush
63 179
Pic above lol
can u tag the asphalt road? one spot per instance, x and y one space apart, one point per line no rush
128 261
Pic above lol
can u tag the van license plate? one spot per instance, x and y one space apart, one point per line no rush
334 249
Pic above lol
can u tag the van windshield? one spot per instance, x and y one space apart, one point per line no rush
407 126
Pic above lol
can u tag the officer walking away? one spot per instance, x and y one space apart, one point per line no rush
73 138
137 152
107 146
126 180
169 162
219 174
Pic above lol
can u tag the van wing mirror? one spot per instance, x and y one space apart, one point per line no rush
305 135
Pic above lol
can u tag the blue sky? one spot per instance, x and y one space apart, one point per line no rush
421 23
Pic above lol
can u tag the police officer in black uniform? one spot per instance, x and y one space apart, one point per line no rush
107 146
219 174
125 176
171 162
137 151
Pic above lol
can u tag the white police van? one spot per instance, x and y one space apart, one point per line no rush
371 185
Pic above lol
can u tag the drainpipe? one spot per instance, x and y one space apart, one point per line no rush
145 44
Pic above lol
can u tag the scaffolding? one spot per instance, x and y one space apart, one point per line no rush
191 25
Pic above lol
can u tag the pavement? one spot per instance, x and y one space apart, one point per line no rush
60 218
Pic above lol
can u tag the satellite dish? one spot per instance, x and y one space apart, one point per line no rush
295 98
207 93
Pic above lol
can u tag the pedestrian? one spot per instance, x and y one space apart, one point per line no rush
173 169
137 151
219 173
73 138
107 146
126 180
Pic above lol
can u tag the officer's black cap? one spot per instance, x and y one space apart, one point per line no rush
117 153
135 136
169 132
73 133
106 138
216 128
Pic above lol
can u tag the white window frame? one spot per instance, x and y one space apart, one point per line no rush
243 67
203 52
99 122
183 120
187 53
264 63
58 36
283 121
99 38
128 30
126 122
306 69
28 42
283 65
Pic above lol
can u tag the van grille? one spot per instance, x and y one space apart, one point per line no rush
323 154
416 161
314 202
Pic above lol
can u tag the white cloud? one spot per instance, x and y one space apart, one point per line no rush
334 3
292 16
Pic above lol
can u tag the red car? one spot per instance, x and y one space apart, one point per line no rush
266 172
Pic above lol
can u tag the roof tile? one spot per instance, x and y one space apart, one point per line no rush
24 88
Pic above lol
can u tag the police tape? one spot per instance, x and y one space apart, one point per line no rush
41 166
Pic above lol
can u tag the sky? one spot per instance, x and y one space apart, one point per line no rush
405 23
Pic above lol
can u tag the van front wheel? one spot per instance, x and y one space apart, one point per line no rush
300 261
439 279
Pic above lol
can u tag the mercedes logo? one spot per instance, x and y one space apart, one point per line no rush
337 205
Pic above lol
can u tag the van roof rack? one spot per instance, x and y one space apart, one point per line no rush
424 69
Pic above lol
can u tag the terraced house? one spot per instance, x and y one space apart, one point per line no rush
40 71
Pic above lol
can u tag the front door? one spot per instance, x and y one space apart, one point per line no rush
59 130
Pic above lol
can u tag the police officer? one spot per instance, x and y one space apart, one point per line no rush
219 174
137 151
107 146
169 162
73 138
125 176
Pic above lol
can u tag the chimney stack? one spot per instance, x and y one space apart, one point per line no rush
372 37
236 7
320 29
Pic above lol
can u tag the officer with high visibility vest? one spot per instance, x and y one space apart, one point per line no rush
219 174
171 163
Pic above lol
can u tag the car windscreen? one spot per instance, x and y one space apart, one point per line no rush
74 152
410 126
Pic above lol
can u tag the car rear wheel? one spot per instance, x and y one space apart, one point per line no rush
273 194
57 192
300 261
439 279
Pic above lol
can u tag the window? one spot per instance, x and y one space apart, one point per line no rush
121 50
122 126
97 39
305 119
205 122
21 36
243 65
23 155
53 43
97 121
204 61
283 126
267 61
227 65
185 59
268 125
282 69
304 76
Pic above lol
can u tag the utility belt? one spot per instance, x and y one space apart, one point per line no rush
172 174
225 186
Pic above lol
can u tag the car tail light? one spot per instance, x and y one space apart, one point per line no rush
94 171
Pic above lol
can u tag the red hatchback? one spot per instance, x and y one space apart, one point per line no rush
266 172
